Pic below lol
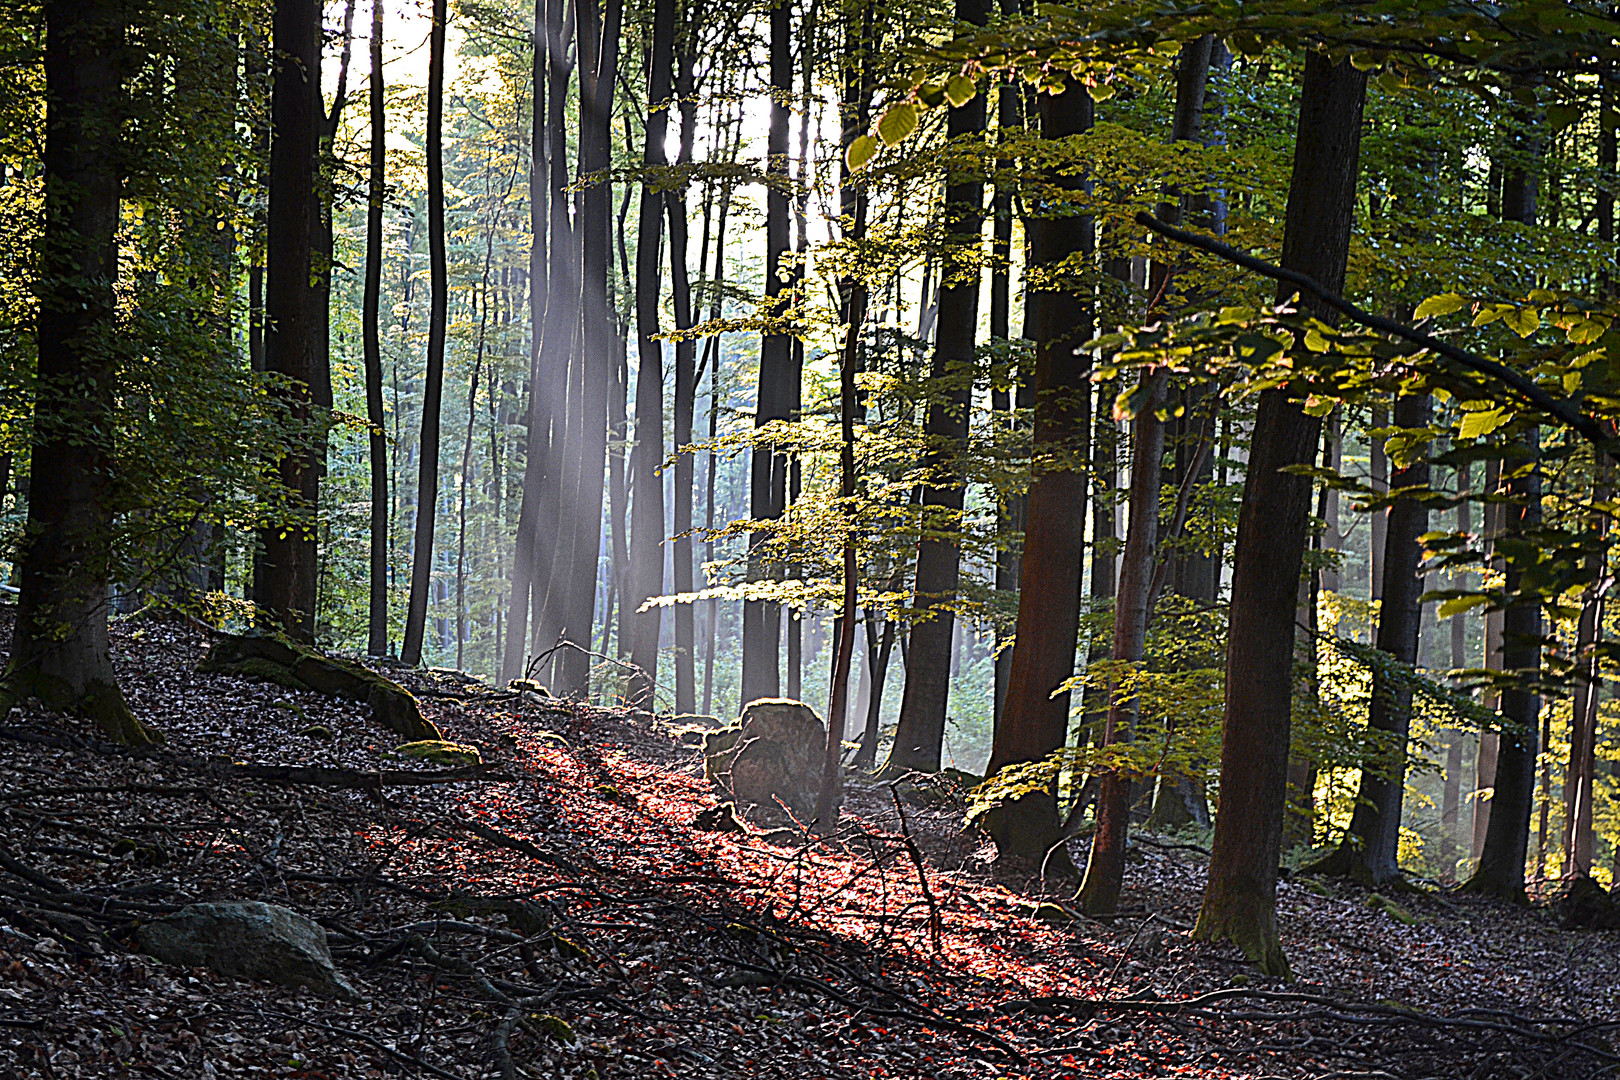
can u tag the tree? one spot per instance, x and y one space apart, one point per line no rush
1370 845
1240 899
921 732
284 574
647 486
59 647
427 480
767 483
377 613
1035 715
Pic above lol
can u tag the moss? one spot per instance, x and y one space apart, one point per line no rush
257 667
318 731
556 1027
290 706
1248 922
101 702
1389 907
440 752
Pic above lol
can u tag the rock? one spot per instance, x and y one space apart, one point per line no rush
439 752
773 753
299 667
1585 905
248 941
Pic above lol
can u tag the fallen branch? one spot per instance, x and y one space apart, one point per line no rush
366 779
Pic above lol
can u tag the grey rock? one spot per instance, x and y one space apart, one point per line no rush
769 759
248 940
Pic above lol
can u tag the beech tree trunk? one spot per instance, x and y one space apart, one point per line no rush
59 648
920 734
1034 721
1273 527
1369 849
427 477
371 331
284 572
685 399
767 481
646 575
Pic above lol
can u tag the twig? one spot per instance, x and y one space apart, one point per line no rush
1561 409
398 1055
922 872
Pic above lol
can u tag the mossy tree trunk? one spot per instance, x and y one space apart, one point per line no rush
59 648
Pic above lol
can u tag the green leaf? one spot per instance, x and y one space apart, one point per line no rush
1523 321
1476 424
959 90
1444 304
931 95
897 122
1459 604
1314 340
1131 402
1100 91
860 152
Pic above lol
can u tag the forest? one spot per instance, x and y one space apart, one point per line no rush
1154 438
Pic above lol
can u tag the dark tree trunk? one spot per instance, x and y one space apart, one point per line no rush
1035 720
646 484
284 573
1370 846
427 477
59 649
370 318
920 735
767 484
1010 506
685 401
599 50
1273 527
543 383
1105 871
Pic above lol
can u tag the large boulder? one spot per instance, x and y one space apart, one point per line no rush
769 759
248 941
299 667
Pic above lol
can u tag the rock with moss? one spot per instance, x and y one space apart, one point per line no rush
298 667
439 752
769 762
248 941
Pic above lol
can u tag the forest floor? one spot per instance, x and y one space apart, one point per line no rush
561 916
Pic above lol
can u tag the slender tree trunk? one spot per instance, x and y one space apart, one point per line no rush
1035 718
1273 527
647 486
762 620
284 573
467 456
599 49
371 330
920 735
1370 846
542 381
1105 872
1451 794
1507 836
1378 467
685 401
1010 507
59 648
427 477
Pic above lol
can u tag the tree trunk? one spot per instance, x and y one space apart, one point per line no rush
1034 720
427 477
1378 468
599 49
1451 793
767 484
1105 871
647 457
284 573
1370 846
371 330
920 735
59 648
1273 527
685 402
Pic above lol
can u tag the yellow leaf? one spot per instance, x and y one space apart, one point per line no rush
1475 424
897 122
860 152
1459 604
1444 304
1523 321
959 90
1314 341
1586 331
1572 382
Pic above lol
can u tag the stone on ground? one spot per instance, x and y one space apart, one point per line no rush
249 940
769 759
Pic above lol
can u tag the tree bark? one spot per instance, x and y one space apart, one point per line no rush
59 648
1105 871
1273 527
767 485
920 734
1034 720
284 572
1369 849
685 398
427 477
371 330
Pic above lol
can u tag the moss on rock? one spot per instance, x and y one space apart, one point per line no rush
440 752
